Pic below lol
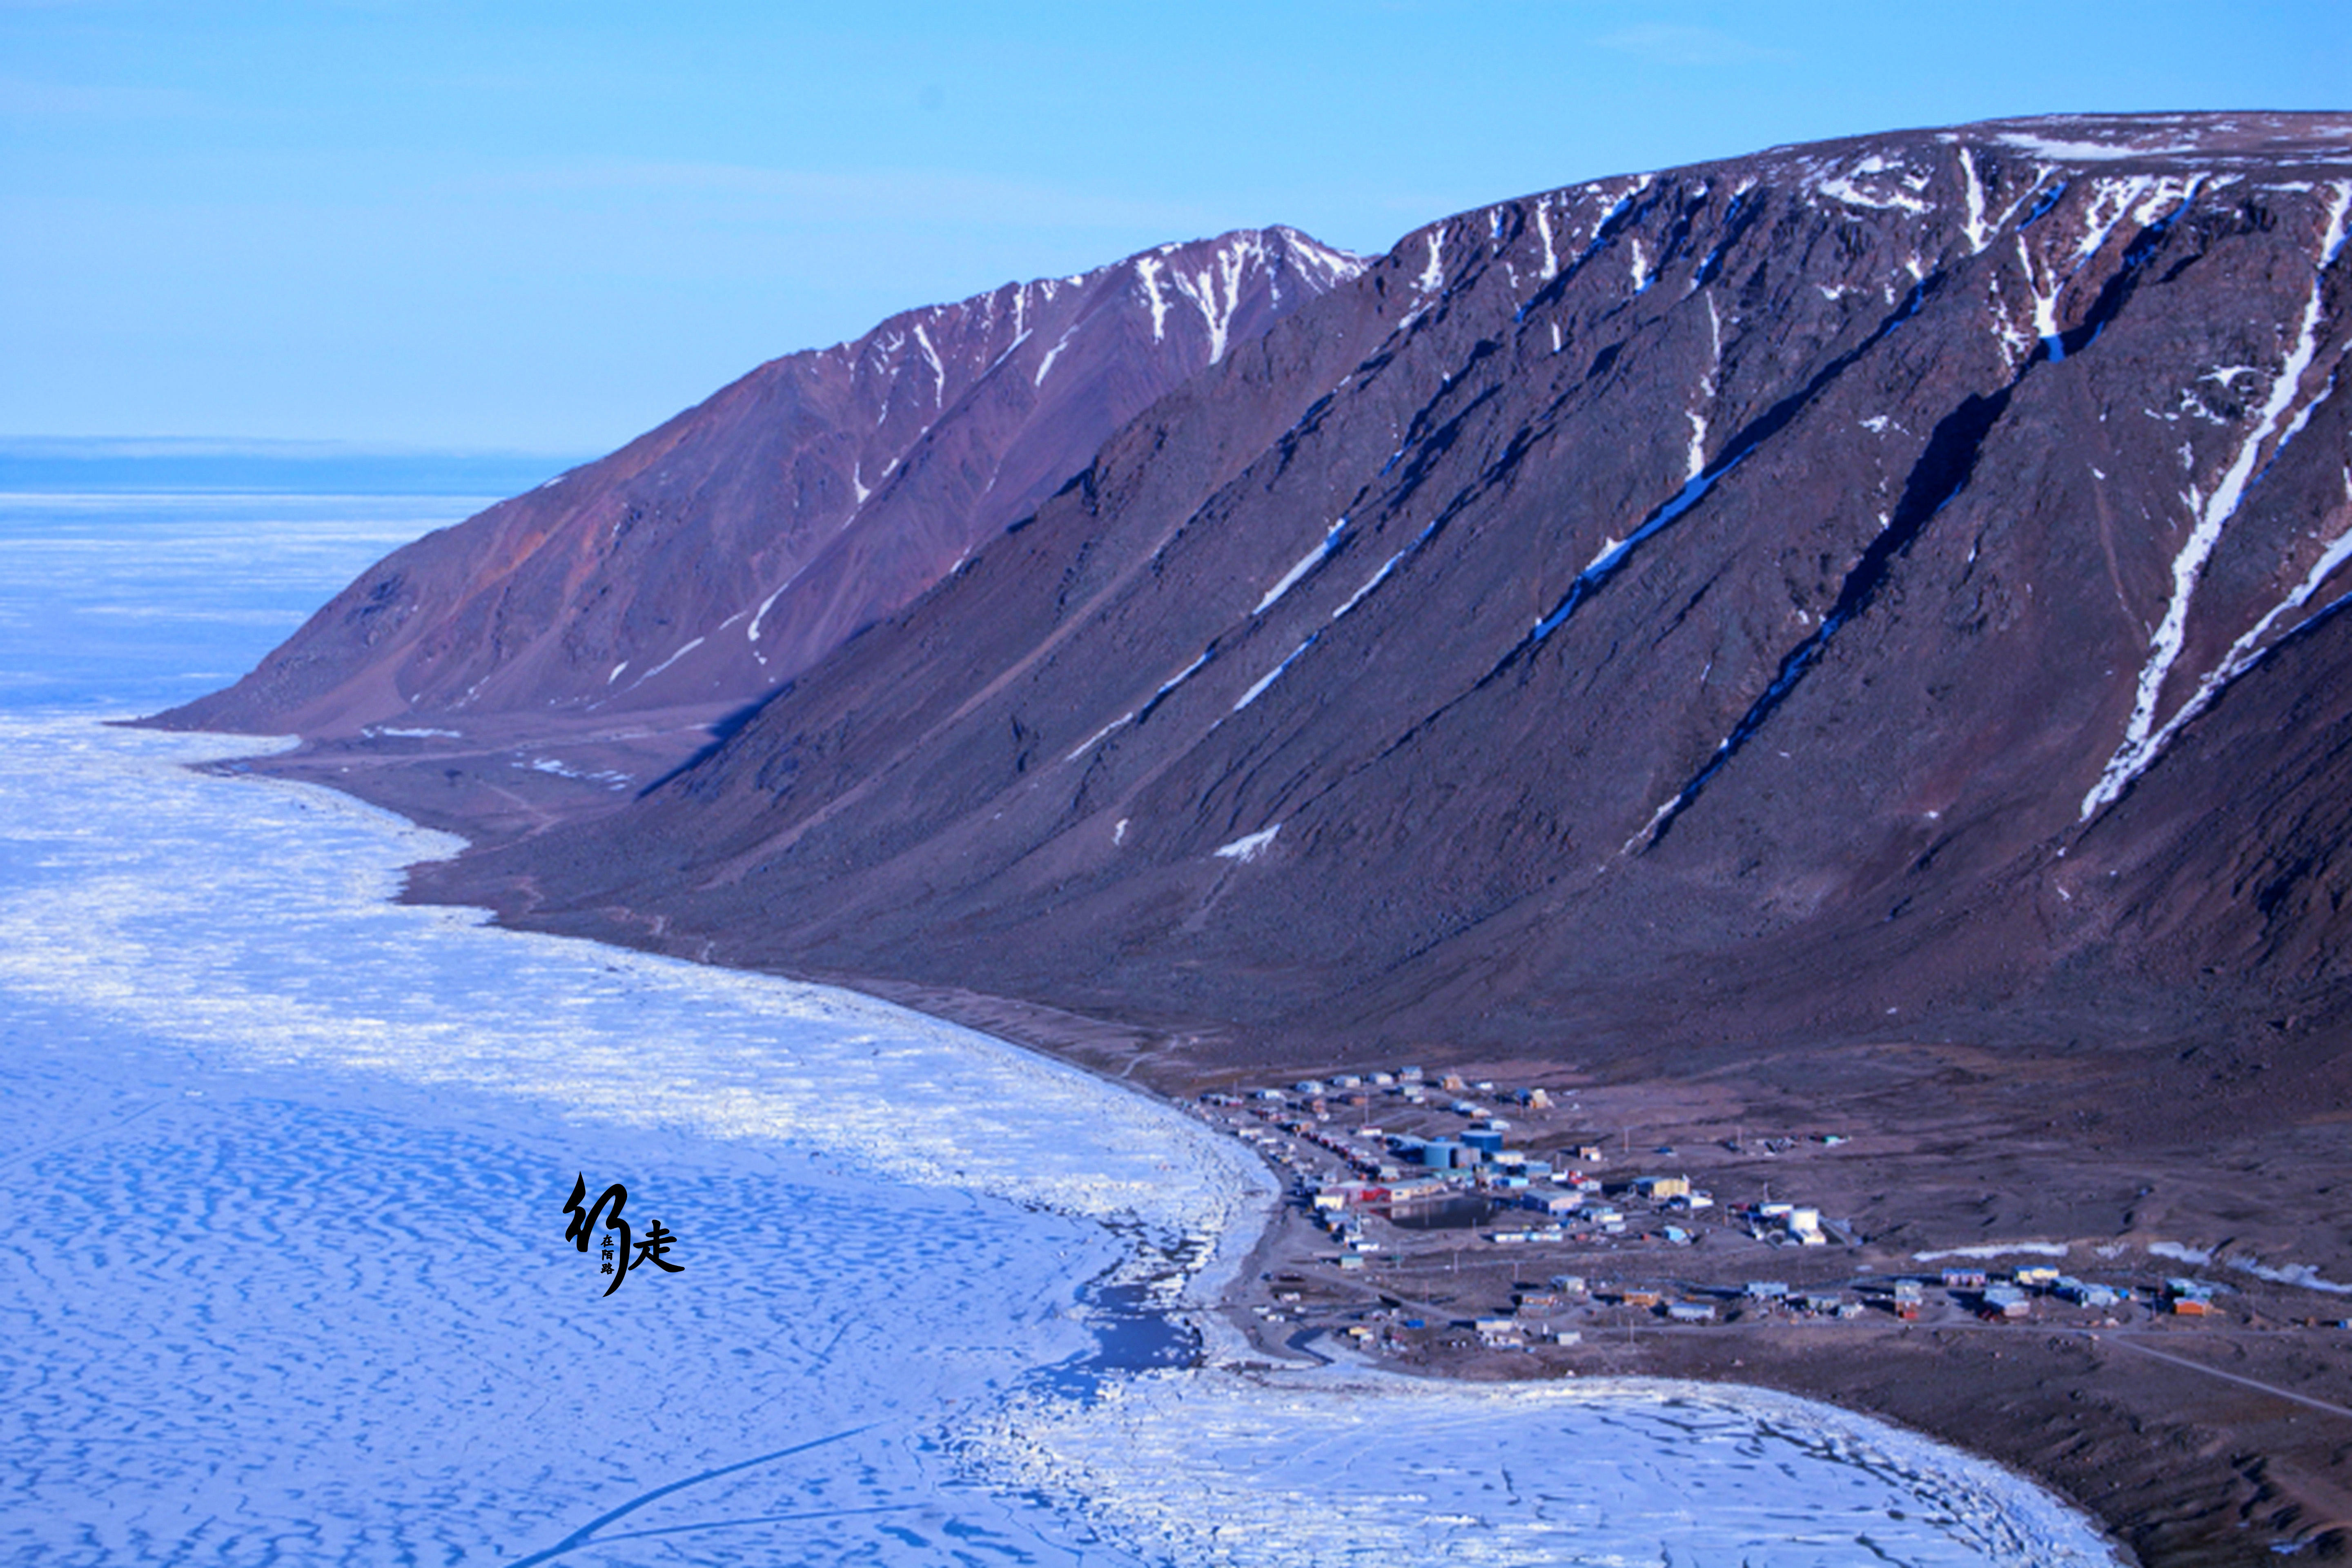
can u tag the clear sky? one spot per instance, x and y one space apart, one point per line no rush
482 225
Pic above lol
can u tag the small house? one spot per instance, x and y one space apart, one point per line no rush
2008 1301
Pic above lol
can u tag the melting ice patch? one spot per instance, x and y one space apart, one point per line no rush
1360 1468
1373 582
1051 355
1390 565
1876 183
1612 552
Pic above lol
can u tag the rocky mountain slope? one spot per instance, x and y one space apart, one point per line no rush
1881 581
1847 637
590 629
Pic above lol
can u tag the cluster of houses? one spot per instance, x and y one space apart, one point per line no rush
1557 1195
2006 1297
1565 1198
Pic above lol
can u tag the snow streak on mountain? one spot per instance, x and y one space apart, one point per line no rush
1901 572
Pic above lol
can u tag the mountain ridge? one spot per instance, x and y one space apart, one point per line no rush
1193 685
599 624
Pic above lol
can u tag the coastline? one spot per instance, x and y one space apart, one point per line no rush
2153 1478
1217 1296
2137 1462
2162 1469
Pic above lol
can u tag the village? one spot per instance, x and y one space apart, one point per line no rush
1431 1218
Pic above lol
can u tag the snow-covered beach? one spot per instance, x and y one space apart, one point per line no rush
291 1283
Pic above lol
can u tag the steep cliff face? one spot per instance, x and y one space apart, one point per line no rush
696 568
1889 573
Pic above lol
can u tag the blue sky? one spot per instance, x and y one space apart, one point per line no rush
545 227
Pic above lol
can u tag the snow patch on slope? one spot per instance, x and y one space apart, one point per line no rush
1249 847
1271 675
1307 563
1091 742
664 664
1432 276
2143 740
1216 289
2089 152
1147 272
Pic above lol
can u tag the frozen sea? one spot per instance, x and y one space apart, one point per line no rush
286 1280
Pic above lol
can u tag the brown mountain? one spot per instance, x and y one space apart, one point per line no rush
1893 574
1851 636
583 636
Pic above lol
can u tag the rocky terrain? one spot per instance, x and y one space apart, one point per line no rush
574 642
1864 603
1877 580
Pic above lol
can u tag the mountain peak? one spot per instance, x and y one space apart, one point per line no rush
635 600
1870 548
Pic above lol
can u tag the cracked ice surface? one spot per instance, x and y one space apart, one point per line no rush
300 1153
250 922
303 1150
1350 1467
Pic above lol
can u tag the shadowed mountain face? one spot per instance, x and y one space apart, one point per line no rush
1893 574
693 571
